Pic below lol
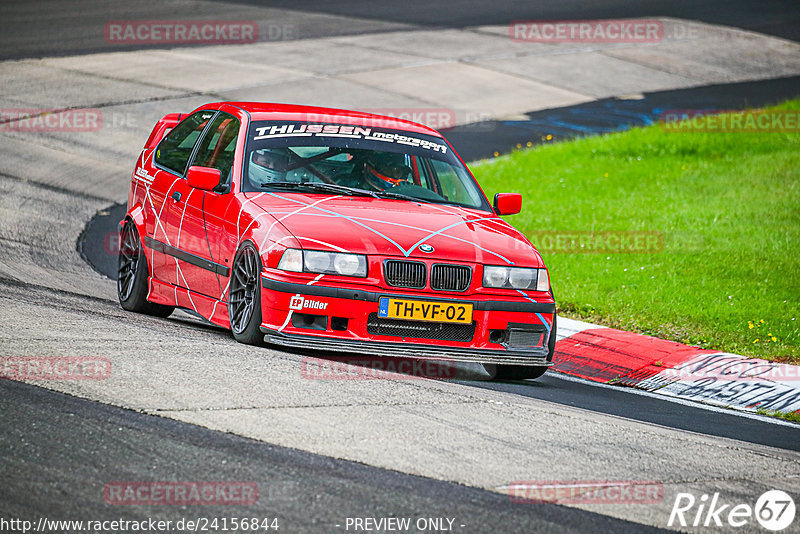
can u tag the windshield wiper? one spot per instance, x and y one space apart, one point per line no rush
343 189
322 187
400 196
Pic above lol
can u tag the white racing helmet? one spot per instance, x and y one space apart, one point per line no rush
267 166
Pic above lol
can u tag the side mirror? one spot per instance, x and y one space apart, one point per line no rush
204 178
507 203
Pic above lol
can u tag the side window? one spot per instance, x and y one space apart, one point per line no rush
453 187
174 150
218 146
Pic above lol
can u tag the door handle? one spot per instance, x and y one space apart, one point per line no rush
176 196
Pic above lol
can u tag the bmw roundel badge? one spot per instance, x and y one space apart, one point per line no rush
426 247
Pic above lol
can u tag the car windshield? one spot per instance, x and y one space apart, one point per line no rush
356 160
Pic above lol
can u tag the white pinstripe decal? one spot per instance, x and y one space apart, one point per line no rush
331 245
390 240
178 271
219 300
276 243
158 224
286 322
186 287
404 225
406 253
239 217
305 207
149 198
183 214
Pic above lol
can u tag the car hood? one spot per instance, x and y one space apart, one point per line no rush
389 227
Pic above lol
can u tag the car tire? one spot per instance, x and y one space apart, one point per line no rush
244 297
524 372
132 275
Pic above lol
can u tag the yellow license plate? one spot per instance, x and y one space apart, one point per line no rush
424 310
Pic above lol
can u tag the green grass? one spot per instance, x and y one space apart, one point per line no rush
789 416
727 205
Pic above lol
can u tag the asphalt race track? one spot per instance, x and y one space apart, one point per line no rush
185 402
61 27
307 492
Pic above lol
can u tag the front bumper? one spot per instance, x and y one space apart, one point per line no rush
357 305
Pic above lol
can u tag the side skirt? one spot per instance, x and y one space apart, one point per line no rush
215 311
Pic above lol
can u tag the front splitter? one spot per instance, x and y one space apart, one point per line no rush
394 349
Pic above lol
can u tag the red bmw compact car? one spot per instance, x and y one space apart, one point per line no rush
332 230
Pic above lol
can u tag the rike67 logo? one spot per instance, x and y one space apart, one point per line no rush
774 510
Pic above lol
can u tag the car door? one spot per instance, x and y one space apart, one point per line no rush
170 160
195 216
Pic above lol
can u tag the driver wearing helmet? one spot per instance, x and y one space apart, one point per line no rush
384 170
269 166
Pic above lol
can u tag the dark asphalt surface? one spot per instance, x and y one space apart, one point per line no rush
483 139
37 28
774 17
60 451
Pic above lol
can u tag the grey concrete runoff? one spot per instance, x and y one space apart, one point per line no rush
52 304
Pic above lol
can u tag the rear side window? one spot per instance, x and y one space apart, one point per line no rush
174 151
218 146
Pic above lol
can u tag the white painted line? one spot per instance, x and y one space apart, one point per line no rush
569 327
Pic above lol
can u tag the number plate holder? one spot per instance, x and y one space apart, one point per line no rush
425 310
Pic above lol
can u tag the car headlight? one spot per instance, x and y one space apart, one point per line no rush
317 261
292 260
515 278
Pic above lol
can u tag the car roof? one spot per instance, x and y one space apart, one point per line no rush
260 111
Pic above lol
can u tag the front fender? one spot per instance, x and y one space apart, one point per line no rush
135 215
270 237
